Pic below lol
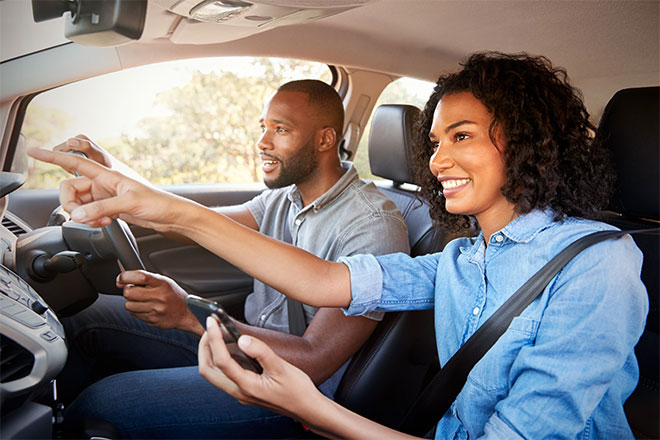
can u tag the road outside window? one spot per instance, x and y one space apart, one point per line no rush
192 121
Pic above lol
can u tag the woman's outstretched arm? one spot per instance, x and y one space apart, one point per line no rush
102 194
282 388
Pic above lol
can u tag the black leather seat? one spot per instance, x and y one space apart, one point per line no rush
393 366
630 128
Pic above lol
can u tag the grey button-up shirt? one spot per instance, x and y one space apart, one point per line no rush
353 217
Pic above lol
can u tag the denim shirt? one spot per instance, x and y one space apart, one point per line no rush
565 366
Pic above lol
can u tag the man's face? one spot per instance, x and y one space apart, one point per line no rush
287 142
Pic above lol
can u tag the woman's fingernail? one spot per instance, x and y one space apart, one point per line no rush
78 214
209 321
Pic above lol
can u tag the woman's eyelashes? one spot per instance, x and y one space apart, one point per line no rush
460 136
456 137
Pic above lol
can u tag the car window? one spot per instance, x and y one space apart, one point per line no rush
402 91
191 121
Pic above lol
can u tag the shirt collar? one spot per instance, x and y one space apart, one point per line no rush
521 229
524 228
350 175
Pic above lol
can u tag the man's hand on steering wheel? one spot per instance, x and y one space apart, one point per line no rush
157 300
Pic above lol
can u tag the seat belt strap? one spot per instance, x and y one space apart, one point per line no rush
441 392
294 309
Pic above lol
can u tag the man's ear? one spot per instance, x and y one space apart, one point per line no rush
328 139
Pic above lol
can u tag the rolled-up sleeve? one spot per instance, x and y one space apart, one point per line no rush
366 283
391 282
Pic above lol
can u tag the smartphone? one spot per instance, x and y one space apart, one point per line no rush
202 308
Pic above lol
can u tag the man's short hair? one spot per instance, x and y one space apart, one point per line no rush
321 95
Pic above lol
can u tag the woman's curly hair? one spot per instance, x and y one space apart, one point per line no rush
551 157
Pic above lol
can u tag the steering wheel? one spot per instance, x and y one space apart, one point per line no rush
123 245
117 239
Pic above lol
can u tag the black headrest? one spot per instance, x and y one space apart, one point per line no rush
630 127
390 142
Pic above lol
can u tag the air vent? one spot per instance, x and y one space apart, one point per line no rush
13 227
15 361
15 224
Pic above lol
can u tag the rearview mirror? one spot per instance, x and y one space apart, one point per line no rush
95 22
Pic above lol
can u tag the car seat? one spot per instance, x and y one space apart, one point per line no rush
385 376
630 129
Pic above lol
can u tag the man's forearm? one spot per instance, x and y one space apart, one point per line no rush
294 349
328 343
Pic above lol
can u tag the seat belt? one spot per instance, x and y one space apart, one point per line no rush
440 393
294 309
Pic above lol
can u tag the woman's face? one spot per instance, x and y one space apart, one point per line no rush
467 163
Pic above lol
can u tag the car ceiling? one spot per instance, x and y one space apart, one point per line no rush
604 45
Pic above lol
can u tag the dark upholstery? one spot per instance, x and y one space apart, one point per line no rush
386 375
630 128
390 142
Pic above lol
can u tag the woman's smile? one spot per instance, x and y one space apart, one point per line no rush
451 186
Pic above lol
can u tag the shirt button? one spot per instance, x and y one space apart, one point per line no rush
499 238
475 311
263 317
298 221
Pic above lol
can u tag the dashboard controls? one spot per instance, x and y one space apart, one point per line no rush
39 308
33 346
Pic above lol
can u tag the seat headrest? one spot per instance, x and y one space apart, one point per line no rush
630 129
390 142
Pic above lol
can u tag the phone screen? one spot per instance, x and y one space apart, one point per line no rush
202 308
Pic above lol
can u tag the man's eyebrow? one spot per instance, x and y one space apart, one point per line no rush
277 121
458 124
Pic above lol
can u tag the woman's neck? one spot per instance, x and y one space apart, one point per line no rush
493 220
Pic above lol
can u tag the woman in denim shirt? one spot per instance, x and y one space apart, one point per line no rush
514 169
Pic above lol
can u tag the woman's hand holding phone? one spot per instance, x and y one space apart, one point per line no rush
203 308
281 387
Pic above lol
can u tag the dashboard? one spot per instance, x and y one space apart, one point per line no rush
32 344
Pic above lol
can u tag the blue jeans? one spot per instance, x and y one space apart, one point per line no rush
158 392
175 403
105 339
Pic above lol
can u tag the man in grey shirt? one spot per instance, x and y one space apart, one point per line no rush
316 202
